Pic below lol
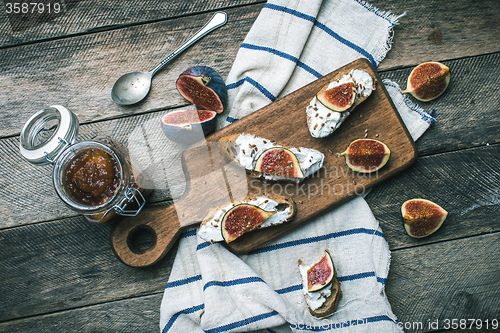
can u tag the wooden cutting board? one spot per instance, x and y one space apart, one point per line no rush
213 182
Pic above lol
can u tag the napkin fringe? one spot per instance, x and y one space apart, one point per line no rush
428 118
386 14
392 18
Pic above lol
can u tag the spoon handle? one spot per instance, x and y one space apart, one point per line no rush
218 20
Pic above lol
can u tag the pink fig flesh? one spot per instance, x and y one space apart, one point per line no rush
422 217
428 81
241 219
186 126
321 273
279 162
338 98
204 87
366 155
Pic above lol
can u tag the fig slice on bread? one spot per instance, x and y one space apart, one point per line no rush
336 100
267 159
241 219
231 221
320 286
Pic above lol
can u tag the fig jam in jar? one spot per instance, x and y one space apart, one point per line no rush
92 177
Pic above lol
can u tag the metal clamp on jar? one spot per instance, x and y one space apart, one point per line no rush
92 177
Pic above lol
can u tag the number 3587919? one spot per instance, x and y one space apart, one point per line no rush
32 8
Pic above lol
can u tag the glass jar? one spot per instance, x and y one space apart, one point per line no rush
93 177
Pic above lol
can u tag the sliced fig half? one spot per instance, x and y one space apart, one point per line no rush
422 217
241 219
321 273
366 155
204 87
187 125
428 80
338 98
279 162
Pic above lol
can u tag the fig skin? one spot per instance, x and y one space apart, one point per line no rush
241 219
339 98
284 163
204 87
428 81
316 279
184 126
366 155
422 217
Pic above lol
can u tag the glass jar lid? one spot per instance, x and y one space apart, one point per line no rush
47 133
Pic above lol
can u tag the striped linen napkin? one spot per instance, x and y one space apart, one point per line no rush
212 290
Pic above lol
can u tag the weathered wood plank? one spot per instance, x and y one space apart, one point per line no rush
61 265
142 136
69 263
445 281
139 314
440 281
86 16
437 30
466 114
472 122
465 183
79 72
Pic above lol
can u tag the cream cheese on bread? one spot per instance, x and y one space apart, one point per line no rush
314 299
249 147
321 120
211 230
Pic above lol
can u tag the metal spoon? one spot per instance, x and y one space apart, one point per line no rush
132 87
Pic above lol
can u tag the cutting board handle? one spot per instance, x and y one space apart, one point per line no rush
152 221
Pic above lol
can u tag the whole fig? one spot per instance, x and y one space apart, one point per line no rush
204 87
428 80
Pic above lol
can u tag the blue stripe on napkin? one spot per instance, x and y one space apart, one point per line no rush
254 83
231 119
256 279
290 11
284 56
235 282
172 320
303 241
243 322
181 282
290 289
189 233
316 239
326 29
287 56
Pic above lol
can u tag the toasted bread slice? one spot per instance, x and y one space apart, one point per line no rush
227 147
284 208
331 303
321 121
245 150
313 295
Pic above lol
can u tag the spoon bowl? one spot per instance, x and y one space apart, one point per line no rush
132 87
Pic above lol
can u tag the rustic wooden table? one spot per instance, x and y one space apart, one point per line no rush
58 272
